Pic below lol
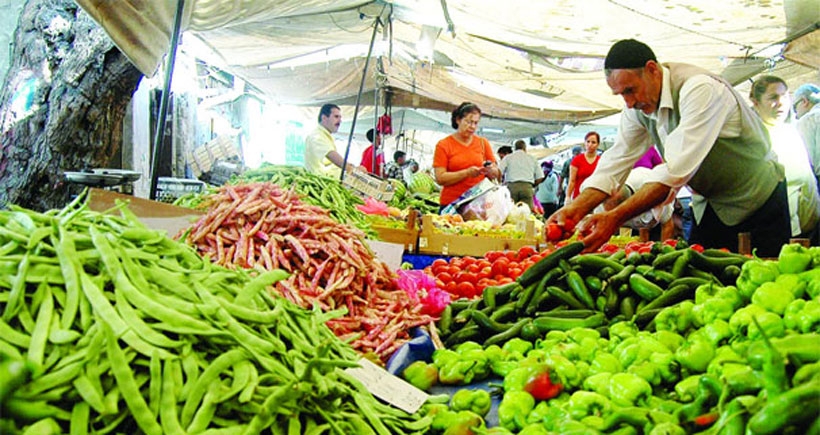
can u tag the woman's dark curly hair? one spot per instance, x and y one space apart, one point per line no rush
461 111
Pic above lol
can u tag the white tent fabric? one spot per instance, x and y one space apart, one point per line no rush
518 59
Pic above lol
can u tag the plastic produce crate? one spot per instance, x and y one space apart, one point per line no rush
169 189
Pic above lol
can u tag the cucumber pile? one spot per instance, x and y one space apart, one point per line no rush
567 289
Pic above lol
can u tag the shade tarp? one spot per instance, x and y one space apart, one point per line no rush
518 59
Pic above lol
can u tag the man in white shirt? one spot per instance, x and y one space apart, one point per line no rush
321 156
521 173
711 142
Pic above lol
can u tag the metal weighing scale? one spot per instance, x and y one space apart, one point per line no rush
118 180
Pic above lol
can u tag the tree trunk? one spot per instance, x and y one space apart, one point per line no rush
62 105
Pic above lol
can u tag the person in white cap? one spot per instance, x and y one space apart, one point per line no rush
807 108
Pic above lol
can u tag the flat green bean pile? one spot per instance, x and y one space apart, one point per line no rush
325 192
124 330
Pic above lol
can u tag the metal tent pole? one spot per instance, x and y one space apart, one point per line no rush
163 102
359 95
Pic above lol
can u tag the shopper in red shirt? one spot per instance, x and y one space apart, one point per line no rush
583 165
367 155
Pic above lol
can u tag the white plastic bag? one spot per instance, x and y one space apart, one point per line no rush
492 206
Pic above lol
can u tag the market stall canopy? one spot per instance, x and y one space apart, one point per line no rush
524 60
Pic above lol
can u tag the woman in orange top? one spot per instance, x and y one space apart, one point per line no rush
463 159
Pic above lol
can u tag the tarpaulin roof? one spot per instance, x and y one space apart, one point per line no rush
517 59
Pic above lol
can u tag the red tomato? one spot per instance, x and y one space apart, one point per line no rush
439 262
554 232
450 287
465 289
444 277
514 272
469 277
485 273
439 283
466 261
483 263
473 268
696 247
525 252
493 255
511 255
439 269
671 242
499 267
453 270
456 261
505 280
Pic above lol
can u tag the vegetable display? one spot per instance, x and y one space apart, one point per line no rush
262 226
108 327
696 342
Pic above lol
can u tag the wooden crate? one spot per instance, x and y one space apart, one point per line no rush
432 242
408 236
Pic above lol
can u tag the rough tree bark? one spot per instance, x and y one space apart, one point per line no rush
62 105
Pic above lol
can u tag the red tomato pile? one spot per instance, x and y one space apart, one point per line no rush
467 277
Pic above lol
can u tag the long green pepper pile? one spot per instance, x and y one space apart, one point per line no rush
111 327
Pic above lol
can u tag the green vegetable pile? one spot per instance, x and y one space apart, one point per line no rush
737 351
109 327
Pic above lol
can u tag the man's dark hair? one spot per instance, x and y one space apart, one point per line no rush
520 144
397 155
461 111
370 135
326 110
628 54
506 149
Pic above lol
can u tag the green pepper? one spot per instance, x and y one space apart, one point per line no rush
646 370
565 371
723 355
667 428
715 302
518 377
517 346
771 323
670 340
802 316
773 297
709 389
598 383
687 389
441 413
753 273
463 423
538 413
677 318
626 389
583 403
793 282
579 335
421 375
477 401
764 357
793 258
740 379
813 285
666 365
806 373
604 362
553 416
534 429
716 331
622 330
695 353
742 318
514 408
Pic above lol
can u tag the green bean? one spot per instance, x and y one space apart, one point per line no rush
131 317
7 349
79 419
46 426
39 337
168 401
251 289
241 377
14 336
247 392
209 376
90 394
17 289
203 416
155 383
128 385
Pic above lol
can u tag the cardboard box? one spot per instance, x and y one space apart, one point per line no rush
407 237
154 214
432 242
